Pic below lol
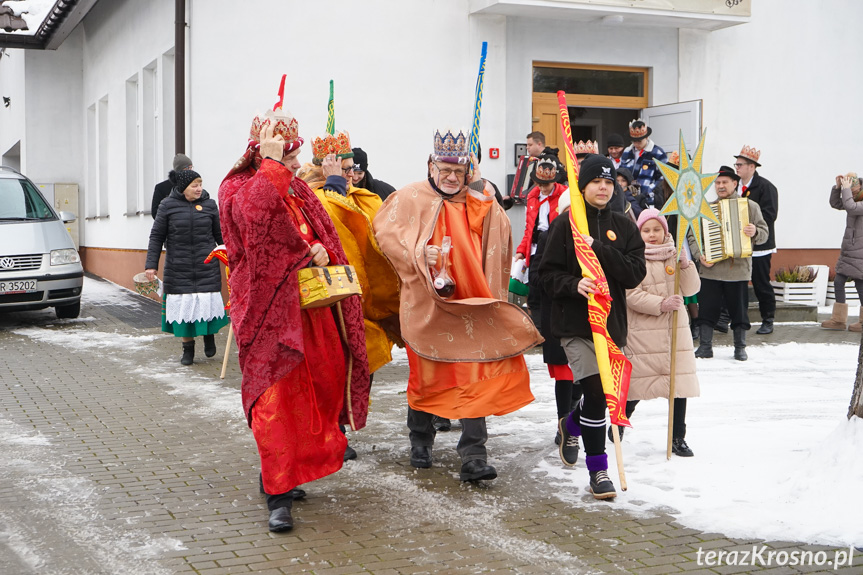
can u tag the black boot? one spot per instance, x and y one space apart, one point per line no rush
740 344
209 345
766 326
188 352
705 342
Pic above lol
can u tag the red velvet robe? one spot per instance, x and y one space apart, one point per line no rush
265 250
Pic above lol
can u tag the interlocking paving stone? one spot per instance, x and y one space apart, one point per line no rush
143 468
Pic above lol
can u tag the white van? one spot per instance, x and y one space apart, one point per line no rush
39 265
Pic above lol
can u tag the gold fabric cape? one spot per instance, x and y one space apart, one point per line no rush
352 217
472 329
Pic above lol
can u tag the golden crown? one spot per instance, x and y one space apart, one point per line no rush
286 126
588 147
637 129
338 143
750 154
450 147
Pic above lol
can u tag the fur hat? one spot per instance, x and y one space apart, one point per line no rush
594 166
183 178
652 214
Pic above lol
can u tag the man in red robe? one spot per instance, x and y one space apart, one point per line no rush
295 362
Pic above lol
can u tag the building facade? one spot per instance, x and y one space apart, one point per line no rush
98 110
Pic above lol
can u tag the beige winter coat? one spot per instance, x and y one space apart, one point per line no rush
649 342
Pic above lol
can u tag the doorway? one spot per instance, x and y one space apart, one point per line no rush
601 100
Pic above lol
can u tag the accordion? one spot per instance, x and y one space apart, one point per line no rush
325 286
727 240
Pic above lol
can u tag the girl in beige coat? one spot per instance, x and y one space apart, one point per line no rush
649 312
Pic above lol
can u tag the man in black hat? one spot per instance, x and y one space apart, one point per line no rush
763 193
639 159
163 189
727 281
618 246
362 178
615 147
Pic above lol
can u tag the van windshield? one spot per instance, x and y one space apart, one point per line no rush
19 200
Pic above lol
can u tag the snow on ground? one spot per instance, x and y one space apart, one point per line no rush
33 12
61 510
775 456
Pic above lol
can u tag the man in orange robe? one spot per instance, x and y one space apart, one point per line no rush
465 347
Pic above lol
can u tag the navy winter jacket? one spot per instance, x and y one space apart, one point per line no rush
192 230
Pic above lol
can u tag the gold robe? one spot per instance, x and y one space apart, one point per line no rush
352 216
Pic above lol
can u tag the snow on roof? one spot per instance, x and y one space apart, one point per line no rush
33 12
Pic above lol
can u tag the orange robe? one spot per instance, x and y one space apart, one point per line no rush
457 390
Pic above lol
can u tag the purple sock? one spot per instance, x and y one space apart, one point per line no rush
596 462
572 426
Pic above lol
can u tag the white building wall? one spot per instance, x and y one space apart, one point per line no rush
401 70
788 83
12 74
55 117
120 39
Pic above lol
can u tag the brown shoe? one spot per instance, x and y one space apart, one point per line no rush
838 318
858 327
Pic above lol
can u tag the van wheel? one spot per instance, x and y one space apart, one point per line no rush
68 311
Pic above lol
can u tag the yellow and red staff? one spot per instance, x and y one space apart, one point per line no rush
614 368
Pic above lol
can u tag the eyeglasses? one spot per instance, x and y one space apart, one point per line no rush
348 170
447 172
739 164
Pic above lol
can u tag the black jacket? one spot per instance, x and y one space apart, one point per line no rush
192 234
621 254
764 193
379 187
160 192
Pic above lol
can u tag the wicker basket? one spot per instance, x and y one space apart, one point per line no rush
144 286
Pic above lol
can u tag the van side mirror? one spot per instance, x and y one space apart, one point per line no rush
67 217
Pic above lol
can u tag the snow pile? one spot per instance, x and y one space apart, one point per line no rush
775 456
33 12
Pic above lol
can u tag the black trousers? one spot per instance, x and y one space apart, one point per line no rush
471 444
761 285
735 296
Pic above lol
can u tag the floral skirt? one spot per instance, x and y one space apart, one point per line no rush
191 315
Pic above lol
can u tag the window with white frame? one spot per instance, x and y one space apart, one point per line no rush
134 197
149 125
102 122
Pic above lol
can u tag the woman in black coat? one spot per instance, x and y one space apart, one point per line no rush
192 303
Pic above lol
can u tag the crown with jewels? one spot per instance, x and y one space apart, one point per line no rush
588 147
450 147
674 158
285 125
638 129
338 144
750 154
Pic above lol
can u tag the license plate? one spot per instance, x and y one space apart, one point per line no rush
17 286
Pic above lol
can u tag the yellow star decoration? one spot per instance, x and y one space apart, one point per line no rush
690 187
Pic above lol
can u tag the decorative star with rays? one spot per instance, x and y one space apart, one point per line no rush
690 187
